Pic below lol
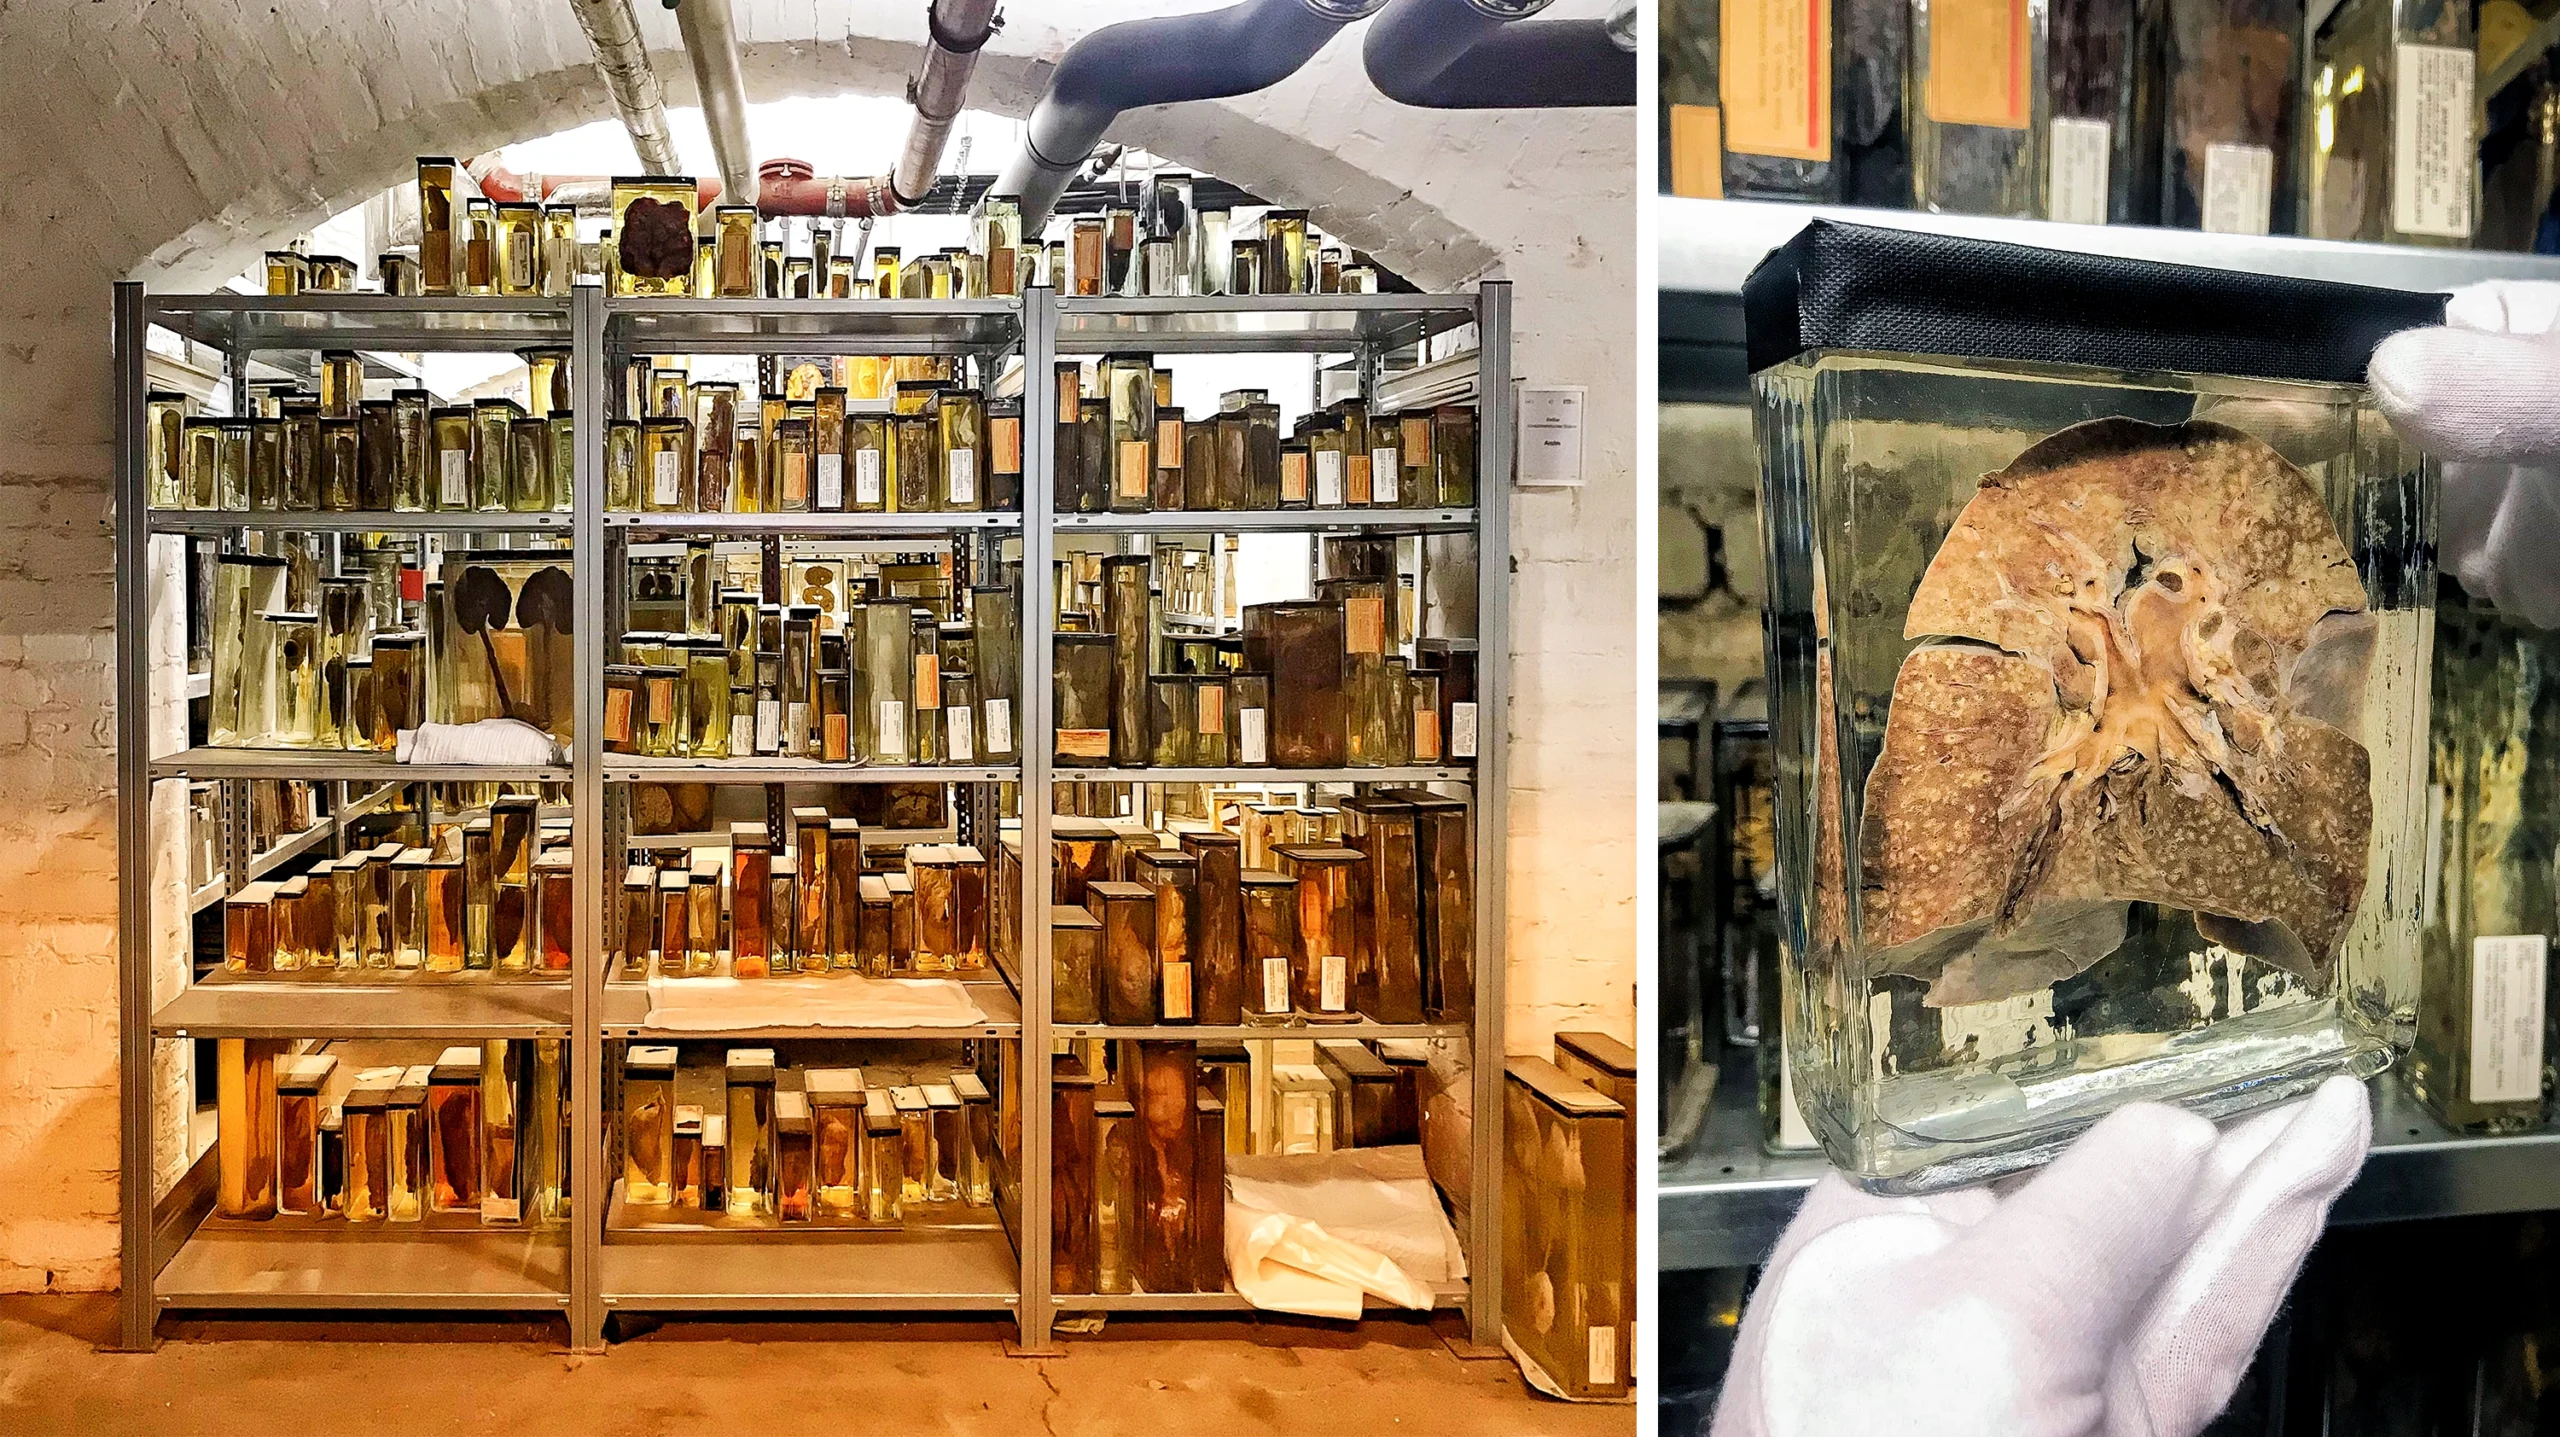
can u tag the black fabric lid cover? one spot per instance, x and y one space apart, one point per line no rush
1895 291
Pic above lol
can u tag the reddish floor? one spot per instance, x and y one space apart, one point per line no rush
1275 1377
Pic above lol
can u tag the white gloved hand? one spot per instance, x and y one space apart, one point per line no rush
2483 395
2122 1290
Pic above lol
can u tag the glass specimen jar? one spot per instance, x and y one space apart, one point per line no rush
559 250
917 462
999 240
622 465
1566 1240
733 265
792 490
915 1146
411 441
2480 1060
479 247
867 457
448 478
963 441
1284 252
453 1132
363 1185
341 383
749 1073
2102 162
2229 75
1978 122
1453 453
1270 905
492 423
1128 385
883 1166
2392 151
1244 267
520 249
2186 740
665 445
562 484
1115 1195
164 428
231 464
653 234
529 466
648 1125
1085 256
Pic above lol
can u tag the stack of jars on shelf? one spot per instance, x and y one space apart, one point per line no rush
2199 114
492 893
339 452
1141 1131
938 448
875 1148
822 903
1288 916
478 1137
305 662
1334 681
1123 448
889 663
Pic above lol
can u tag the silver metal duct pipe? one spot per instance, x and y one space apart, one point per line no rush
711 46
623 60
1248 46
1487 55
959 29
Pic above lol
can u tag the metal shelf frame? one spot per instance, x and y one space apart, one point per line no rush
171 1262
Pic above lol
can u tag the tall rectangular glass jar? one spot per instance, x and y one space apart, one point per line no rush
2099 694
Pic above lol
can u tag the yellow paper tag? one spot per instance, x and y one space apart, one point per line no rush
1775 79
1136 468
1697 152
1978 63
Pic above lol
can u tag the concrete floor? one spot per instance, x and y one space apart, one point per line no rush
1278 1376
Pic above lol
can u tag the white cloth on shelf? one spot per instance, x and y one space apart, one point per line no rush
2482 394
496 742
1315 1233
2120 1291
714 1005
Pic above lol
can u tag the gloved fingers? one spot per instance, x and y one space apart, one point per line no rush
2262 1202
2467 395
2083 1244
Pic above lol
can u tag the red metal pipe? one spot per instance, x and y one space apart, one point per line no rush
783 187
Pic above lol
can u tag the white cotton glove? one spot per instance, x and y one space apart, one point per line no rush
2483 395
2122 1290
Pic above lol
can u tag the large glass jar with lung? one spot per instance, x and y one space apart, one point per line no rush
2099 693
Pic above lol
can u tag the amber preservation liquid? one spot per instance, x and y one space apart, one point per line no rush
1075 948
366 1140
1127 609
1564 1245
1115 1196
245 1098
794 1158
1270 944
883 1161
1082 680
1300 644
453 1133
1164 1081
835 1123
1129 977
1073 1154
1215 941
750 1129
1385 893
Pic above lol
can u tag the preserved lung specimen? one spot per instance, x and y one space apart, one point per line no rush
2143 651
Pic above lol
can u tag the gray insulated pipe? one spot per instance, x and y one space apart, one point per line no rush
1245 47
1486 55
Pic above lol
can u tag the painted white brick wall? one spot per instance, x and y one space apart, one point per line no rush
169 142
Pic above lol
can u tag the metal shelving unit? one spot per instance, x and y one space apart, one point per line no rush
175 1258
1723 1200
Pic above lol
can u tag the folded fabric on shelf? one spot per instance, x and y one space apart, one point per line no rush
1313 1233
714 1005
495 742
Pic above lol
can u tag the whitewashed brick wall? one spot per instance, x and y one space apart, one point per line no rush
170 142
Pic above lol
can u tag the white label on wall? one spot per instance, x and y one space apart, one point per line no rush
1249 737
866 476
2077 190
768 725
1549 453
957 744
1462 730
830 482
2506 1017
662 477
1328 479
1275 985
453 478
2239 185
1603 1361
1333 982
892 730
999 726
1385 479
2432 152
962 471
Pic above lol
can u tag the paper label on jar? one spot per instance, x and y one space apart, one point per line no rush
1168 444
453 478
866 476
1084 743
1177 992
958 745
890 734
663 476
928 693
1364 625
795 728
999 726
1293 476
1426 734
768 725
1275 985
960 470
501 1209
1978 60
2239 186
1775 78
1333 983
1462 730
1210 709
1697 145
1602 1359
2507 977
831 482
617 715
1355 479
2432 152
1382 476
1250 741
1328 479
795 481
2076 191
1136 468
